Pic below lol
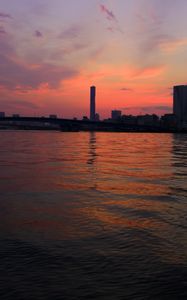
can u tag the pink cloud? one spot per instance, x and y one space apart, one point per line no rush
109 14
38 34
111 29
112 18
71 32
14 73
2 30
5 16
153 36
18 104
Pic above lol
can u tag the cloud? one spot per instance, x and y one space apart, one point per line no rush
150 109
39 8
38 34
126 89
152 35
6 104
2 30
73 39
71 33
108 14
6 47
153 14
5 16
163 8
172 44
148 71
14 74
111 29
164 107
163 42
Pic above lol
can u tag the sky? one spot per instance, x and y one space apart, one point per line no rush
51 52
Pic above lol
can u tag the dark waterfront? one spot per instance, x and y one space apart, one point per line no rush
93 215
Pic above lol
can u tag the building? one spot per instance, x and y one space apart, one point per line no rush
115 115
85 118
129 119
148 120
168 121
2 114
180 105
15 116
97 117
92 103
53 116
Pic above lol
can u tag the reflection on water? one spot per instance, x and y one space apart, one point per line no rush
93 215
92 148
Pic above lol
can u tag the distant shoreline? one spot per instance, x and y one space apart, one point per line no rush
74 125
106 131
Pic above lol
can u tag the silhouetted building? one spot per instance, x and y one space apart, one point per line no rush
97 117
115 115
92 102
180 105
168 121
85 118
129 119
151 120
2 114
53 116
15 115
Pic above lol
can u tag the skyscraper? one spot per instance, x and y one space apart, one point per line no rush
180 105
115 114
92 102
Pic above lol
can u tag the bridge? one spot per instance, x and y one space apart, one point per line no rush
46 123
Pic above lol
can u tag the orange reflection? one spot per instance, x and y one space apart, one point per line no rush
111 221
84 174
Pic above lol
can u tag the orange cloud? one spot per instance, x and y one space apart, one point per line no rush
173 45
149 72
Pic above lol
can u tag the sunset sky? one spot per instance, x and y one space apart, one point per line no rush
51 51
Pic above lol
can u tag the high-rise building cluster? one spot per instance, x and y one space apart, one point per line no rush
177 119
180 105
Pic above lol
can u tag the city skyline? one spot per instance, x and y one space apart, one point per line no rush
133 51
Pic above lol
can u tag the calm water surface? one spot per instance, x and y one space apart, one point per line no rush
93 216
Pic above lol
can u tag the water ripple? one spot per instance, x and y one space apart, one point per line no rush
93 216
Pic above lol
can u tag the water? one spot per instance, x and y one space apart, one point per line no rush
93 216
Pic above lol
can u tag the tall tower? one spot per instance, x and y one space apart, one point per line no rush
180 105
92 102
